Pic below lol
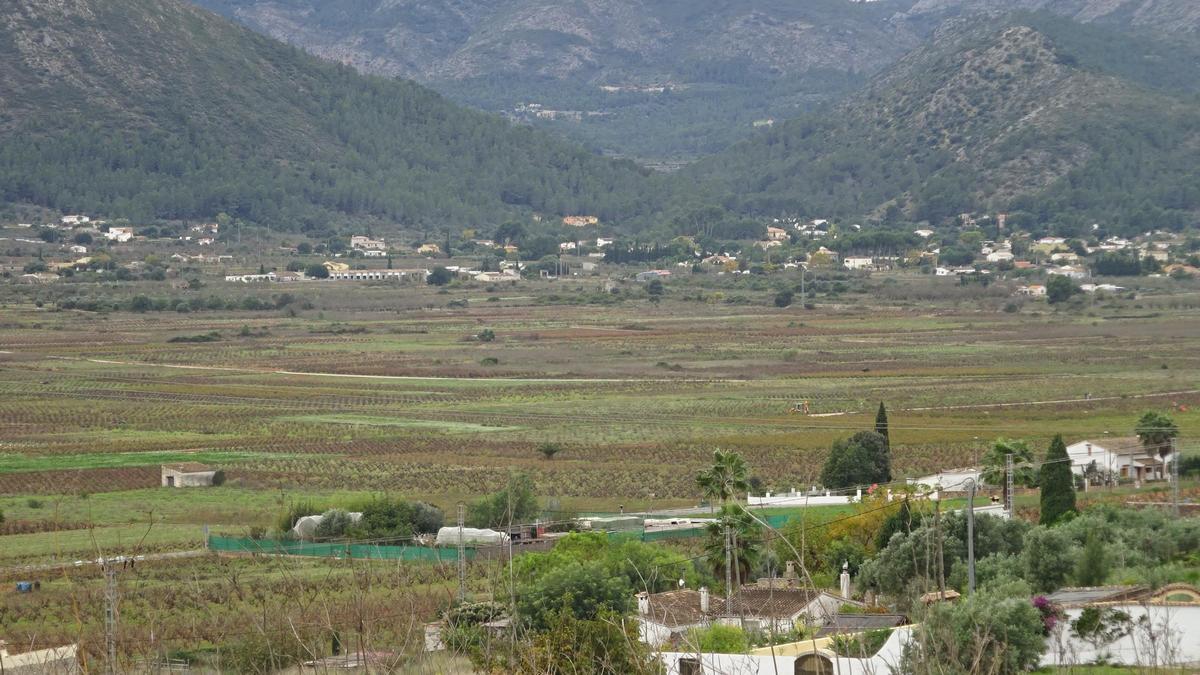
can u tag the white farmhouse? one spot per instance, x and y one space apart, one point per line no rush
1068 271
119 234
1122 457
360 242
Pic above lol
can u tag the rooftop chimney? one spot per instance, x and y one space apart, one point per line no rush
790 572
845 579
704 599
643 600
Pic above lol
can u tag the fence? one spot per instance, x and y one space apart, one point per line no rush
776 522
221 544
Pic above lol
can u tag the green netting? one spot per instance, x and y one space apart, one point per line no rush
778 521
277 547
661 535
626 535
360 551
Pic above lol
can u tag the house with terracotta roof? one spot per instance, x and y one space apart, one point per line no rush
666 618
771 604
778 608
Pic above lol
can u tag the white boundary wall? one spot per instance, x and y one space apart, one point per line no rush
1168 636
887 660
794 498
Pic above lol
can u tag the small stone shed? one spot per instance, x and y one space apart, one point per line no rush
188 474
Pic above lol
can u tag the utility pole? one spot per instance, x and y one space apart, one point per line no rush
941 563
1008 484
737 568
1174 478
970 536
728 570
110 615
462 555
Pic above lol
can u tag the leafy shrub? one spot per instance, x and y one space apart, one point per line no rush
516 503
294 512
862 645
385 517
212 336
334 523
719 639
582 590
993 631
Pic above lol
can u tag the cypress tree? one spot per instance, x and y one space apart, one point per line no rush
1057 483
1092 569
881 424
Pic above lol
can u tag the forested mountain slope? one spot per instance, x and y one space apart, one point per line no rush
987 116
1178 17
725 64
157 108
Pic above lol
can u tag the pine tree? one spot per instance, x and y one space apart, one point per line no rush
881 424
1057 483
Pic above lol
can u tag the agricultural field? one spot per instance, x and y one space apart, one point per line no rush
369 389
339 393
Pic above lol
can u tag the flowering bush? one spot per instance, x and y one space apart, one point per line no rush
1051 613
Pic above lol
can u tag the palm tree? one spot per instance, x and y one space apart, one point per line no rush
1156 431
747 540
994 464
725 478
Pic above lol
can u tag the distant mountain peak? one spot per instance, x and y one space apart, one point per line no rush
989 115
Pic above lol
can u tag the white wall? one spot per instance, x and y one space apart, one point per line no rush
794 498
1176 628
654 634
953 480
191 479
882 663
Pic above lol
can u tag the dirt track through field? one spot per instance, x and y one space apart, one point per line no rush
434 378
973 406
